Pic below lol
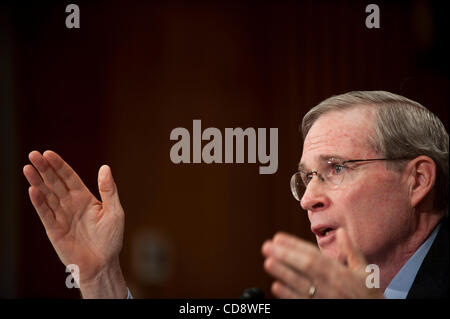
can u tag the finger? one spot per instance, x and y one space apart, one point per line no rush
295 242
348 252
107 188
283 291
51 179
265 248
296 247
67 174
35 180
44 211
301 260
285 274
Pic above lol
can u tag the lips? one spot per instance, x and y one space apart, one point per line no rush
325 233
322 230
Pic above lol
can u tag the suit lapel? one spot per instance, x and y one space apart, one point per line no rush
432 278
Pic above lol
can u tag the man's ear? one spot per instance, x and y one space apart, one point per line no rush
422 176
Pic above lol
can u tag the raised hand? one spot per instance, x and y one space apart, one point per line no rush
83 230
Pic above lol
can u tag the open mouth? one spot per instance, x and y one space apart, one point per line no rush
323 231
325 234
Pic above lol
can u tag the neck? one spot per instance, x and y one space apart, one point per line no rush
391 263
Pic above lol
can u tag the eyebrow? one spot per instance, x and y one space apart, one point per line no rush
323 157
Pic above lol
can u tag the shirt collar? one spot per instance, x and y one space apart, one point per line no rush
399 287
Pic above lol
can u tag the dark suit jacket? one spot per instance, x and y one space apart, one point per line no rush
432 278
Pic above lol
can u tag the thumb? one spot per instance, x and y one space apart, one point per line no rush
348 252
107 188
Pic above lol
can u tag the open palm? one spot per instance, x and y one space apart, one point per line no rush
83 230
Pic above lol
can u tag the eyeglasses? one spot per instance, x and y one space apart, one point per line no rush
333 171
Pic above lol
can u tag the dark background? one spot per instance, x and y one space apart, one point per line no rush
112 91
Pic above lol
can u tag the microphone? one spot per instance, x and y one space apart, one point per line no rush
252 293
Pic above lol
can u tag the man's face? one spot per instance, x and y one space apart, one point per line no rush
371 203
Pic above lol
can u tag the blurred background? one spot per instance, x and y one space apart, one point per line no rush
111 92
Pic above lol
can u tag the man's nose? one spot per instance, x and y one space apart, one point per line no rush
314 197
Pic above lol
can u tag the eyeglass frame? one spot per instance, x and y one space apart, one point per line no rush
315 172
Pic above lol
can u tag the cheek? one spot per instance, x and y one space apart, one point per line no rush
370 211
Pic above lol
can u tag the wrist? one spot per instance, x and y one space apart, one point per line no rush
108 283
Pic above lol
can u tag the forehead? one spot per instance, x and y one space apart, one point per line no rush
343 134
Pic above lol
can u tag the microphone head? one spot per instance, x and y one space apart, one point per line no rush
252 293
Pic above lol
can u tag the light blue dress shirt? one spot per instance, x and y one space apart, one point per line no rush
399 287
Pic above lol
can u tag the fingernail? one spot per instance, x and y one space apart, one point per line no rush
103 171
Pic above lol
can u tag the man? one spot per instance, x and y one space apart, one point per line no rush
373 178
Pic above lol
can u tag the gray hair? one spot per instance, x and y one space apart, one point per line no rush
403 129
